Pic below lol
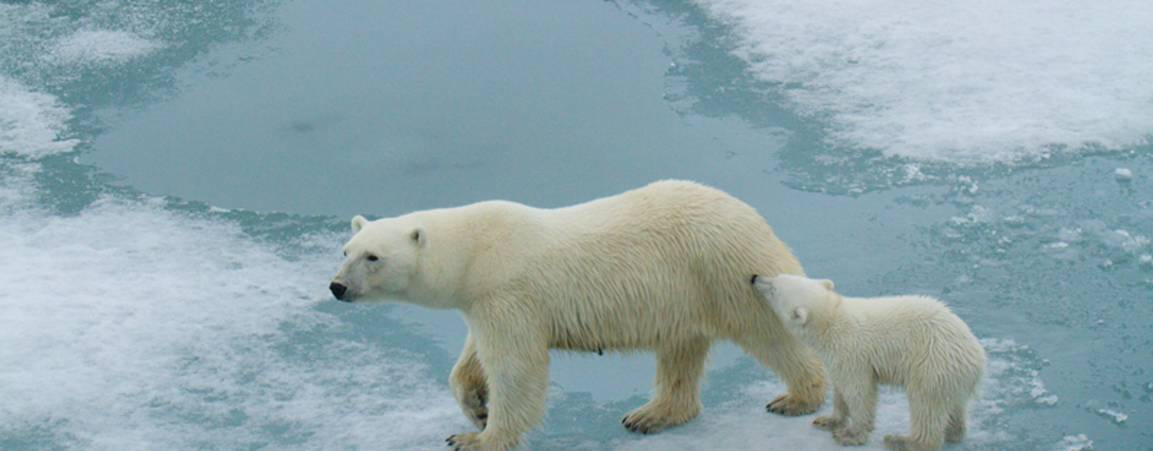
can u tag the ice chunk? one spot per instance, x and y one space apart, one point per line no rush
1114 415
103 46
1079 442
1123 174
32 124
974 81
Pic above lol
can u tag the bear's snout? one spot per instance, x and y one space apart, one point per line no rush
338 290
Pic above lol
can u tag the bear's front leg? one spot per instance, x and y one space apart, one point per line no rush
514 356
678 388
469 386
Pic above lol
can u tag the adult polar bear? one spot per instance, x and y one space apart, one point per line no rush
663 267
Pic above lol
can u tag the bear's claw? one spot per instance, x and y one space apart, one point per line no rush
640 425
652 418
827 423
475 406
474 441
462 442
790 406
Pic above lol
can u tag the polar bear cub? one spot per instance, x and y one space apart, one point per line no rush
910 341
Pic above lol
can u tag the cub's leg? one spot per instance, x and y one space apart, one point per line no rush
860 395
928 421
677 388
840 412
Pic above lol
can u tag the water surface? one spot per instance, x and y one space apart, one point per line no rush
176 182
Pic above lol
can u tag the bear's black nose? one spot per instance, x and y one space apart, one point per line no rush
338 290
753 280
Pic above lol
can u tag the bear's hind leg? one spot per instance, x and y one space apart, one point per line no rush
677 388
798 367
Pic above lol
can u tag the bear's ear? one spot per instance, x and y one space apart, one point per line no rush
419 236
828 284
358 223
800 315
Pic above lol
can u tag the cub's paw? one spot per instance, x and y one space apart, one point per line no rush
828 423
850 436
792 406
651 418
904 443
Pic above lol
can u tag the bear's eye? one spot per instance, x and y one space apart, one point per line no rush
372 258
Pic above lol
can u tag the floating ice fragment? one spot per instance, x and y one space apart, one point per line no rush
1114 415
913 173
966 82
1067 234
103 46
1123 174
1123 240
1079 442
1041 395
32 124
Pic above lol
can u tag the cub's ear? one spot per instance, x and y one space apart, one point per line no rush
419 236
358 223
828 284
801 315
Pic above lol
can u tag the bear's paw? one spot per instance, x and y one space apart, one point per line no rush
654 417
792 406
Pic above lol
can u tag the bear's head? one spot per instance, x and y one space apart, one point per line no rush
804 305
381 259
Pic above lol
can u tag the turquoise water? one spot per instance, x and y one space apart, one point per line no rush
176 179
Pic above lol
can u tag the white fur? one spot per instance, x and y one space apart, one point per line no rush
662 268
909 341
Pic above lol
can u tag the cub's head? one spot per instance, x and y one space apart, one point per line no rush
801 303
380 260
